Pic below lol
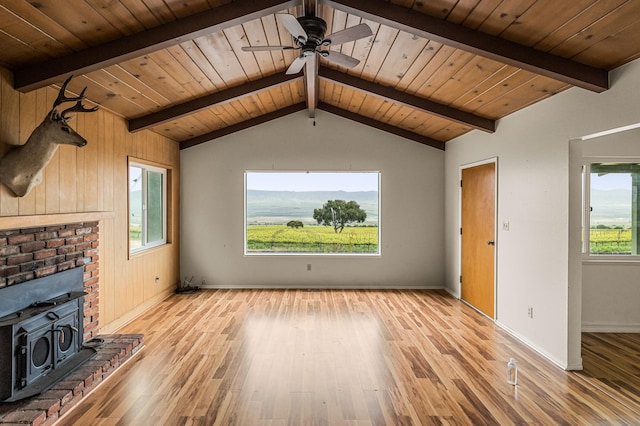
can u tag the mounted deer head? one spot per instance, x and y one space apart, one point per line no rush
21 168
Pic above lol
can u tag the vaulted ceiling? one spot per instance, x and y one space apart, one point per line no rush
432 70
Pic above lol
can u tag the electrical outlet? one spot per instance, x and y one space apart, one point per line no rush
308 266
505 225
530 312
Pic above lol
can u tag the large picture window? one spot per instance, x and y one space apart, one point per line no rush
612 209
312 213
147 206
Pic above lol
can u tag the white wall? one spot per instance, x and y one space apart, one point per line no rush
532 147
412 205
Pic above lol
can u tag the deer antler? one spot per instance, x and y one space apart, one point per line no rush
62 98
61 95
78 107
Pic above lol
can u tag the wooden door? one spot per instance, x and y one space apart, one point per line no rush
478 234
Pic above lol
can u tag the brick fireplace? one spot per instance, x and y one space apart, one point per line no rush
30 255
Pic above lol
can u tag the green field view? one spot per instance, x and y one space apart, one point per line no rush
311 239
610 241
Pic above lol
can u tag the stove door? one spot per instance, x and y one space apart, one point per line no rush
66 340
35 355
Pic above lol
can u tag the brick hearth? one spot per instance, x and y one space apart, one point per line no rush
48 407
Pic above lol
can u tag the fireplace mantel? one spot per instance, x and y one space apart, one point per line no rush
13 222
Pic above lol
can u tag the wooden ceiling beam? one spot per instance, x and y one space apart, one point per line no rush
191 107
476 42
396 96
243 125
311 84
133 46
381 126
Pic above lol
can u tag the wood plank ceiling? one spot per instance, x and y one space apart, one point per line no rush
433 69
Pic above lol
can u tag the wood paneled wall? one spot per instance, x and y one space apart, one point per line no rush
91 183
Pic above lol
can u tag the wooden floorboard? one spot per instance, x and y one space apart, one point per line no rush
337 357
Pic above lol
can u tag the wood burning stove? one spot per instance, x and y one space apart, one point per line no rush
41 333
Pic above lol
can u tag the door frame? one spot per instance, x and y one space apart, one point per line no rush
490 160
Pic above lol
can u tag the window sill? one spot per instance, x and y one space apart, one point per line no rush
612 260
149 250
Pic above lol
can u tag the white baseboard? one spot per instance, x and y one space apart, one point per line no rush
538 349
592 327
455 294
320 287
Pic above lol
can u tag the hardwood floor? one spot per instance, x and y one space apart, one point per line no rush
611 362
336 357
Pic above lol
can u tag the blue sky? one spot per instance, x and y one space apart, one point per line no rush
611 181
312 181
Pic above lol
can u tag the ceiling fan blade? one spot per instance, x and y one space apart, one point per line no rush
341 59
292 25
263 48
350 34
296 65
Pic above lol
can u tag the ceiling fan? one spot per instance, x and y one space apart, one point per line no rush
309 36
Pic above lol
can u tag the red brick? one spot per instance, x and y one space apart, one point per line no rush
83 231
65 233
51 421
65 265
54 228
91 237
20 278
54 260
74 240
31 230
74 255
30 417
32 246
66 249
9 232
19 258
19 239
3 242
44 254
63 395
55 243
46 236
50 406
91 267
9 270
83 246
91 252
31 266
9 250
45 271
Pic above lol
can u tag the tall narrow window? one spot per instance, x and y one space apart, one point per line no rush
147 206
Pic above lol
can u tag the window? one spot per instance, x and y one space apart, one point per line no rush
319 213
147 206
612 215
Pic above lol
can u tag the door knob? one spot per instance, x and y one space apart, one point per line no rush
491 243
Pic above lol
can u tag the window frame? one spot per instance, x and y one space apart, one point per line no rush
249 253
586 211
164 172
